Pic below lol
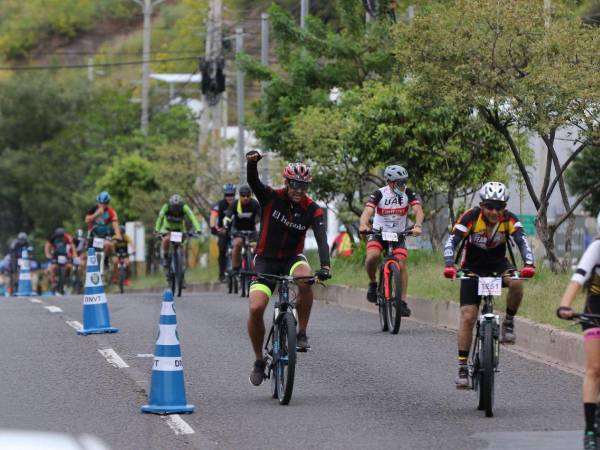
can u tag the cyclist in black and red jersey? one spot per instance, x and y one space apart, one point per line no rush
486 230
287 213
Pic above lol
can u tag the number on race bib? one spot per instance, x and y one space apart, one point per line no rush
489 286
98 243
62 259
389 237
176 236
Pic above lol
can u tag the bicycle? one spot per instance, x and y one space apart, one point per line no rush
76 282
281 355
246 271
122 269
176 260
389 285
97 243
61 262
484 356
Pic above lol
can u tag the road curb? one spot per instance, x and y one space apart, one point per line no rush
542 342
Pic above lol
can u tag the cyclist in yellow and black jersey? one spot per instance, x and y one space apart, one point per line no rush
121 248
486 230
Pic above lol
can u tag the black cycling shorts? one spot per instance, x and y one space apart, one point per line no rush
275 267
468 288
592 306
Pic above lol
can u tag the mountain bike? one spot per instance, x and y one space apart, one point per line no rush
280 346
389 284
231 276
246 271
484 356
97 243
61 262
76 281
176 260
122 255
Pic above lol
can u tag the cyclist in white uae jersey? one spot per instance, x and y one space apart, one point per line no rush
390 205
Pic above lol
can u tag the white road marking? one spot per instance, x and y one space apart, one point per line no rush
113 358
145 355
74 324
53 309
178 425
35 300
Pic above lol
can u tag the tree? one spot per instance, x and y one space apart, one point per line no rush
582 175
522 68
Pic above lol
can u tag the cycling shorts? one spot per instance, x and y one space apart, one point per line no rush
468 288
275 267
399 250
592 306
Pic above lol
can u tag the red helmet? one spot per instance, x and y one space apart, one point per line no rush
298 172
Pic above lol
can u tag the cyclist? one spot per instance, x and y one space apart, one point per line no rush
342 244
390 205
102 222
287 213
486 230
121 251
217 214
241 215
59 243
171 218
16 248
79 241
588 274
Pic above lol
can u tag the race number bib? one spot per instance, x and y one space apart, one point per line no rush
98 243
176 236
489 286
77 261
62 259
20 262
389 237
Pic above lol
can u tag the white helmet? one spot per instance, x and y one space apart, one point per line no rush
494 190
395 173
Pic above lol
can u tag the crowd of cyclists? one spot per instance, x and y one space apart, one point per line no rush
478 243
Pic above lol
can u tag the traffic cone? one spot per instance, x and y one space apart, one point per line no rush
24 287
167 388
95 308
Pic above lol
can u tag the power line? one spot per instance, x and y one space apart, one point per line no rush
85 66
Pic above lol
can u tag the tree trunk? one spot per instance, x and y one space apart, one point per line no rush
546 235
568 244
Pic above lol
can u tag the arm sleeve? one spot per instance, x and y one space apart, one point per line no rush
230 214
460 230
260 190
374 199
412 198
320 231
521 240
589 260
161 216
190 215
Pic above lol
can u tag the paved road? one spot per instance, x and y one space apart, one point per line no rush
357 388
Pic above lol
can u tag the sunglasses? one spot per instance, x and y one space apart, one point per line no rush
229 195
496 206
298 185
245 196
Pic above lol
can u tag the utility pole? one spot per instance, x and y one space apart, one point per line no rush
303 12
547 13
264 60
90 64
147 8
239 47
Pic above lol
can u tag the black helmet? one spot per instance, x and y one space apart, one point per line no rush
245 190
229 189
59 232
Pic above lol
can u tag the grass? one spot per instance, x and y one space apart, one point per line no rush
194 275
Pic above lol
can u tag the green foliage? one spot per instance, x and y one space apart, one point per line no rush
24 24
583 174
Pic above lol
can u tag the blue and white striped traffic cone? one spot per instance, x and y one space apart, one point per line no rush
167 388
24 288
96 318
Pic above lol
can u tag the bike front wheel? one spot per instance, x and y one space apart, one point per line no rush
486 371
285 357
393 299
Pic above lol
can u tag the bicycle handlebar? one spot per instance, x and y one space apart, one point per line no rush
464 275
311 279
406 232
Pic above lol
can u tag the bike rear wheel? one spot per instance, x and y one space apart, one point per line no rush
383 321
285 357
122 276
486 379
393 307
60 284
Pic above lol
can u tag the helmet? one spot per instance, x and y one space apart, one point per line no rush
59 231
229 189
395 173
494 190
22 236
245 190
103 198
79 234
297 171
175 200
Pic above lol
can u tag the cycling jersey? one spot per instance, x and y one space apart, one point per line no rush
284 223
243 217
172 218
122 246
483 249
219 209
17 246
391 209
101 226
62 244
588 269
